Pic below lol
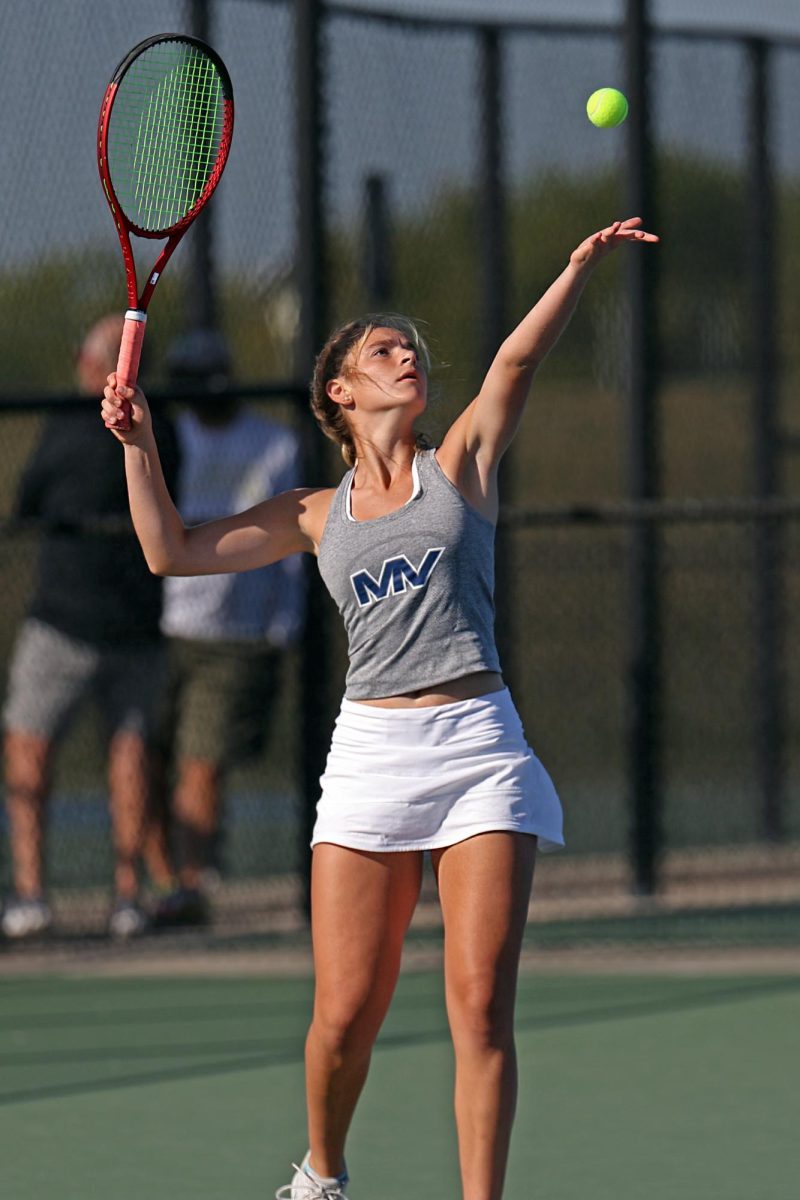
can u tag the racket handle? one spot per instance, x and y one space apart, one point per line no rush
130 351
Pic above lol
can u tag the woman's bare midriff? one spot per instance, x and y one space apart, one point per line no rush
481 683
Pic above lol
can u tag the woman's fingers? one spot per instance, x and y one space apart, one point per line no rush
112 408
628 231
611 231
639 235
605 241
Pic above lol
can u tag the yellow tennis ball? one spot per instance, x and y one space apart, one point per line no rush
606 107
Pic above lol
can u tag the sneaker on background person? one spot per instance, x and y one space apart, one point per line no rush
127 921
182 907
26 917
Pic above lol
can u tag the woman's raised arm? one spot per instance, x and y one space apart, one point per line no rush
485 428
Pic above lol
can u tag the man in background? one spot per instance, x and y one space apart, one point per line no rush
226 633
91 634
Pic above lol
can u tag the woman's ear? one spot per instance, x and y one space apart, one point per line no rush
338 392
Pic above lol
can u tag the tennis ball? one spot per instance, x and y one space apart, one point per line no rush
606 107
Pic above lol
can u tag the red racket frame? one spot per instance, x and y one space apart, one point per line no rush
136 316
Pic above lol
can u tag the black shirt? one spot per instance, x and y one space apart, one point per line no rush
95 585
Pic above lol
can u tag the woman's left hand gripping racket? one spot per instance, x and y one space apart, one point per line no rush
165 131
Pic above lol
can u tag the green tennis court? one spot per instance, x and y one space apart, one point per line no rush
657 1086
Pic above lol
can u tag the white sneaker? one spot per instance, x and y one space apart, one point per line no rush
26 918
305 1186
127 921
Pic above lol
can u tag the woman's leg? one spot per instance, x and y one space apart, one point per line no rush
361 905
484 888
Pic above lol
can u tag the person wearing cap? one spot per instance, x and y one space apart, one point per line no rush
226 633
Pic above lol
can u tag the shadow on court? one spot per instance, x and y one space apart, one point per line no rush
205 1028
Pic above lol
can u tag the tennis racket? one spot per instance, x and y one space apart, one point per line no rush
163 138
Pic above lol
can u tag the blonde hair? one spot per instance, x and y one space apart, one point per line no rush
331 362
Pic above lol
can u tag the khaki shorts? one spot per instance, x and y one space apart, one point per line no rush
218 700
52 674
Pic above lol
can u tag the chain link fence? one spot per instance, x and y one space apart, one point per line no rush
403 148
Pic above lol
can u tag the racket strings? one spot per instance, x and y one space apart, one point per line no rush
180 120
177 121
170 164
165 134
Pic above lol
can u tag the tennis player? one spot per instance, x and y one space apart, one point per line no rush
428 752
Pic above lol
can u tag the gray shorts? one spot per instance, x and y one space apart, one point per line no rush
52 674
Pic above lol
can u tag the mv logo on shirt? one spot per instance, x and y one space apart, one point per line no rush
396 574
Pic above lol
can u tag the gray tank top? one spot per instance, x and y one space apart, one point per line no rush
414 587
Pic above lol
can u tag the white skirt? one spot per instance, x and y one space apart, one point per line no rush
423 778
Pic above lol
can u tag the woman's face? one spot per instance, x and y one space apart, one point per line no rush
384 371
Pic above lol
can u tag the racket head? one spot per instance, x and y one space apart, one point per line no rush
164 133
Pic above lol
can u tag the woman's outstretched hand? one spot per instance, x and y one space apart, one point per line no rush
123 407
596 247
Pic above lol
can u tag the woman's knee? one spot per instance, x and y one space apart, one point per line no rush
481 1010
344 1028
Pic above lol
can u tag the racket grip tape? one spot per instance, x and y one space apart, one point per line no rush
130 351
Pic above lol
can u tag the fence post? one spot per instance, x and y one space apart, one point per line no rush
492 196
377 263
770 709
645 682
493 306
310 280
